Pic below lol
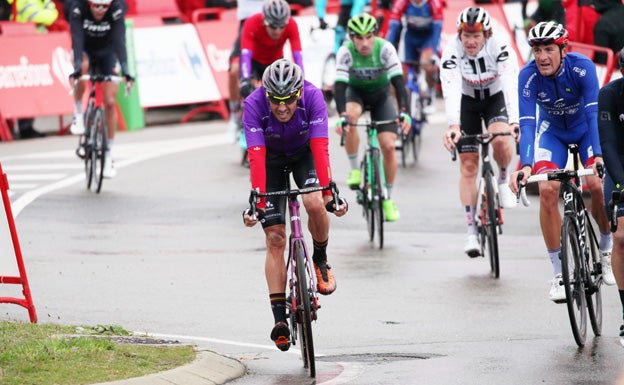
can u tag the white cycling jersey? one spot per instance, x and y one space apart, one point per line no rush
494 69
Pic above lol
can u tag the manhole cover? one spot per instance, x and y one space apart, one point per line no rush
376 357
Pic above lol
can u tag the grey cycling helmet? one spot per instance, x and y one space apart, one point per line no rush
282 78
276 13
474 19
548 32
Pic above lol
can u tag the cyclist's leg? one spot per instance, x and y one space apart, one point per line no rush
304 174
354 110
594 183
77 126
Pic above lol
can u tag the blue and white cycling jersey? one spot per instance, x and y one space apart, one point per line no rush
558 110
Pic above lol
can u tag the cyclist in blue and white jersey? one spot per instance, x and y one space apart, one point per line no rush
558 95
348 9
479 74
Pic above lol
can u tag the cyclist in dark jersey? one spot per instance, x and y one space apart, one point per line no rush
285 124
611 128
98 34
563 87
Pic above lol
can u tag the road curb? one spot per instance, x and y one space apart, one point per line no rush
208 368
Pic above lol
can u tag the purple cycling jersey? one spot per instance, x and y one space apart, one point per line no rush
263 129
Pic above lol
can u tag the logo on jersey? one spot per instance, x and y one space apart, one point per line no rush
503 55
580 71
450 64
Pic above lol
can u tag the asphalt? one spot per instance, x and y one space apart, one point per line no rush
208 368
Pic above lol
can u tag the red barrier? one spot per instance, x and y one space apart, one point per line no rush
25 302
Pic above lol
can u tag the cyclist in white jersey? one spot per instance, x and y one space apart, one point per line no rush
479 75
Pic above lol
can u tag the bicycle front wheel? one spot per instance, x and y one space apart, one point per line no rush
378 197
304 310
593 287
366 199
491 226
98 153
573 280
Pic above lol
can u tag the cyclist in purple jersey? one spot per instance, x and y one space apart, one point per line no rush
285 122
564 87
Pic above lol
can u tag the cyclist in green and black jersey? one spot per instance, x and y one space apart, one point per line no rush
365 67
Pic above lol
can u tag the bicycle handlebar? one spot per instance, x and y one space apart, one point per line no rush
103 78
291 193
370 124
557 175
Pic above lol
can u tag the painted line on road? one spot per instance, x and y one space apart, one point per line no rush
350 371
148 150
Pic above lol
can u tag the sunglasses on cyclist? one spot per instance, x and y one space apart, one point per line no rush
277 100
477 27
99 6
275 26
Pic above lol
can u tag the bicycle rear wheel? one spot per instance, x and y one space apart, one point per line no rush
304 310
491 226
378 197
367 199
88 143
416 112
98 153
593 289
573 280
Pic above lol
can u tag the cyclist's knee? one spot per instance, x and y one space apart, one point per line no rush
549 195
275 237
469 164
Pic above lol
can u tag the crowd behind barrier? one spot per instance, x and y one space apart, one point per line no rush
181 58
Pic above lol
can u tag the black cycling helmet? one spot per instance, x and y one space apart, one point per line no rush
282 78
474 19
362 24
548 32
276 13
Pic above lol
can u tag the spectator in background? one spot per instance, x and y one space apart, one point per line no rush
46 16
588 16
609 29
547 10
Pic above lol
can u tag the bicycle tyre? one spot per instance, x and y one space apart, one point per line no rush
378 197
88 143
98 154
304 310
404 148
367 198
593 288
491 226
572 280
416 112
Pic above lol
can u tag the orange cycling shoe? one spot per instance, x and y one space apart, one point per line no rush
281 336
324 278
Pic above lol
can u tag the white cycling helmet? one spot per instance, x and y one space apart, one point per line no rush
276 12
474 19
548 32
101 2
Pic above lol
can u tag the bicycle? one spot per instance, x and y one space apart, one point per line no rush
302 300
489 219
93 143
580 258
416 105
372 189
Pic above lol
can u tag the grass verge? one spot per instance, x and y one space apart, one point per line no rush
50 354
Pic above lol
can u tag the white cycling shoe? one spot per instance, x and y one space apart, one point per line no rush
607 271
507 197
77 126
109 169
557 291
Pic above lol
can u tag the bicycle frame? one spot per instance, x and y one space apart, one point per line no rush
298 315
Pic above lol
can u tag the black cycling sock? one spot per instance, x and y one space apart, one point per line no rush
320 251
622 301
278 306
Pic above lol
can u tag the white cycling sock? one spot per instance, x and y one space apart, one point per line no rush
77 107
553 254
353 161
606 242
470 221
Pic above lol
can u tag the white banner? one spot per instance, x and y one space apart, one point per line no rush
172 67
